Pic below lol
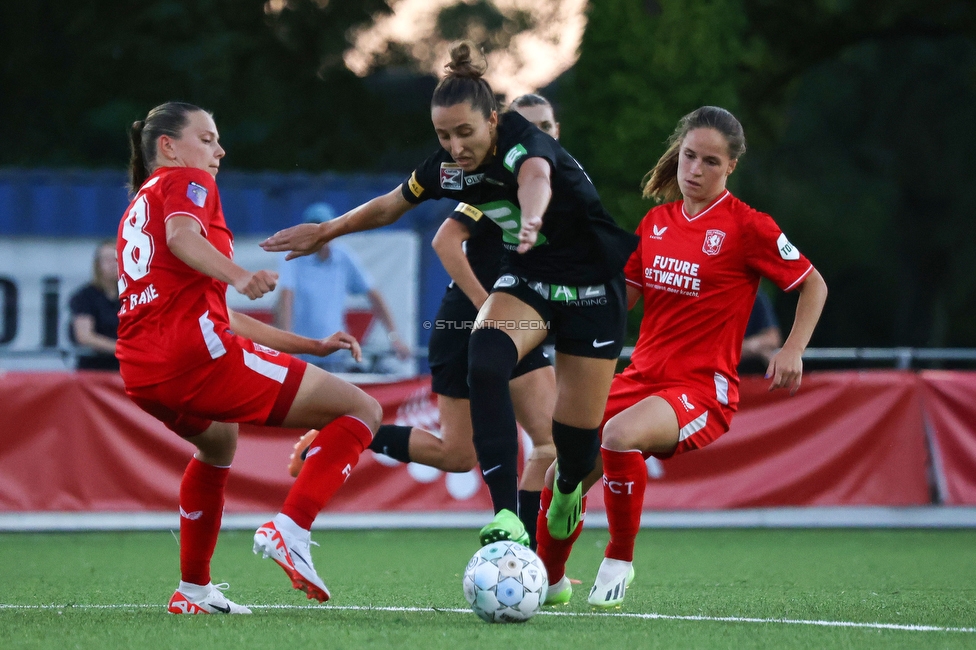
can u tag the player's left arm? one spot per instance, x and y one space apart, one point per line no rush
283 341
786 366
534 192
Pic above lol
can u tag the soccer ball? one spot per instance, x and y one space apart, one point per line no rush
505 583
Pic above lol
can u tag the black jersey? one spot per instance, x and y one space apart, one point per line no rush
579 242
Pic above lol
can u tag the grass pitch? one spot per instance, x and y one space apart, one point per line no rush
694 589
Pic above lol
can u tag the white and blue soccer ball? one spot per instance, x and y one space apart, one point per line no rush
505 582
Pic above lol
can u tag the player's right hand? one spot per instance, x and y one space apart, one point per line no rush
303 239
255 285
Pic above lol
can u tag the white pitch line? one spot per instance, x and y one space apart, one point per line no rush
664 617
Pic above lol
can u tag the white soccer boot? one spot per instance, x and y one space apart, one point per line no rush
213 600
611 583
292 551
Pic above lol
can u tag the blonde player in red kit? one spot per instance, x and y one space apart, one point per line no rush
698 267
201 368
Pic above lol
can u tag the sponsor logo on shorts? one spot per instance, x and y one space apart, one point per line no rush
787 250
685 403
269 351
506 281
415 188
601 344
513 155
451 175
713 242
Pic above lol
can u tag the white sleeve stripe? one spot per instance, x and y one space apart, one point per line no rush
635 284
800 279
185 214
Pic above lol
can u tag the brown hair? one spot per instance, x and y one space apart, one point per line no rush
166 119
529 99
661 183
465 81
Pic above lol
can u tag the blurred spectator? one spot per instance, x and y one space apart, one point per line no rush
95 313
762 338
313 290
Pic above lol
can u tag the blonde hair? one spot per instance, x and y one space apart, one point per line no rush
661 183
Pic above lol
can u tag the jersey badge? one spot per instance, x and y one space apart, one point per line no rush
415 188
474 179
513 155
713 242
451 175
787 250
659 232
197 194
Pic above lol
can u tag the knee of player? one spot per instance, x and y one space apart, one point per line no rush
617 436
369 411
492 356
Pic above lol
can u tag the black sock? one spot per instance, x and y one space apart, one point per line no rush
492 356
528 512
393 441
576 451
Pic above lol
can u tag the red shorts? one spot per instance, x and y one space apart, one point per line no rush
701 418
248 384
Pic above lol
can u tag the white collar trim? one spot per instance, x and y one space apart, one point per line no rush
706 210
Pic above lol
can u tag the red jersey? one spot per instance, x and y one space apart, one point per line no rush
699 277
173 318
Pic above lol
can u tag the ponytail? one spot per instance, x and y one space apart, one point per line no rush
166 119
137 164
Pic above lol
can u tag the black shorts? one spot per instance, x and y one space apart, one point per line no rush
447 352
588 321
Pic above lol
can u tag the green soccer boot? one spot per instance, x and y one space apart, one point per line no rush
505 525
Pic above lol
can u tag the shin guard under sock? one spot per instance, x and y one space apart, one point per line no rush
201 509
492 356
624 481
330 459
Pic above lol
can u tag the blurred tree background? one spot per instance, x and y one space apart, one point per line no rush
860 115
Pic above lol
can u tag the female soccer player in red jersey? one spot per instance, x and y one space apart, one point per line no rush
561 272
697 267
202 368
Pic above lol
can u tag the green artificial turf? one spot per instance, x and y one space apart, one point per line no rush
109 590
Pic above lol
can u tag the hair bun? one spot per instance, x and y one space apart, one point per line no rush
467 60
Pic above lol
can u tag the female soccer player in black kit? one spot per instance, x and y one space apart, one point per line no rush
561 272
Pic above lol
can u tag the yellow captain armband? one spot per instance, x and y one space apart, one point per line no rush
415 188
469 211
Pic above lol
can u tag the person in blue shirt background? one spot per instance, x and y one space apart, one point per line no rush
313 294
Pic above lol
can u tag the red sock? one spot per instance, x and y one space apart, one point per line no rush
201 508
328 463
624 480
554 552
